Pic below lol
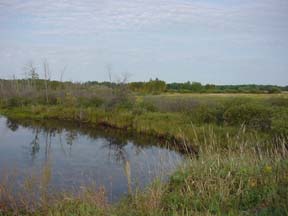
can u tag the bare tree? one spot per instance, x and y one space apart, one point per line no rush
31 70
1 88
109 71
122 90
62 73
119 87
15 84
31 74
47 76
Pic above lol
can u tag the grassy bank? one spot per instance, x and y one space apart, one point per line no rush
173 128
185 121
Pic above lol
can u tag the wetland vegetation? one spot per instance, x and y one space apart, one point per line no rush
234 140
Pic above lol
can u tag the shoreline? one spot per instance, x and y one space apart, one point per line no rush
178 141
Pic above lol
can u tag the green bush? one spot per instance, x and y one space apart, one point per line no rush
278 101
254 116
143 107
280 121
13 102
17 102
89 102
69 100
274 90
207 114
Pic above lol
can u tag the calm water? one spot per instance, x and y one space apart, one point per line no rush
78 156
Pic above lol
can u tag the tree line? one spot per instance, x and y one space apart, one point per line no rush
153 86
157 86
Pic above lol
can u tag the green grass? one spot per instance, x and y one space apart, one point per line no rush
168 127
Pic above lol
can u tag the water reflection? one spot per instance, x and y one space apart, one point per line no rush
12 125
117 151
70 137
114 141
71 154
35 143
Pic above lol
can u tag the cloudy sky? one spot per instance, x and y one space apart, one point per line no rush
211 41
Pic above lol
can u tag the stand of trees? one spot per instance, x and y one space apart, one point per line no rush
159 86
153 86
211 88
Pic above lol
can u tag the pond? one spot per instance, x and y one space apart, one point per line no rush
75 155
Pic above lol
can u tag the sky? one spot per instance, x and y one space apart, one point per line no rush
209 41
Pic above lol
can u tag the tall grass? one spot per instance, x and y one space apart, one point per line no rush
248 177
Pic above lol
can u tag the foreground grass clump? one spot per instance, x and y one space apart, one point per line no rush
233 185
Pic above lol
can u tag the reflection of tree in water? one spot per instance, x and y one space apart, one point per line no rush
47 134
35 143
71 136
116 149
114 141
12 125
71 132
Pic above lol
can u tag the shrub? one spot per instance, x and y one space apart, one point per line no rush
13 102
278 101
69 100
274 90
207 114
125 104
143 107
252 115
279 121
87 102
17 102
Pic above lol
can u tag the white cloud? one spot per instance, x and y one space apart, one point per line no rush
96 16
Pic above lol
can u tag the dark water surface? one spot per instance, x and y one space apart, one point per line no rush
77 156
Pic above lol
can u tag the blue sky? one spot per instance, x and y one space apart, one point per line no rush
219 41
